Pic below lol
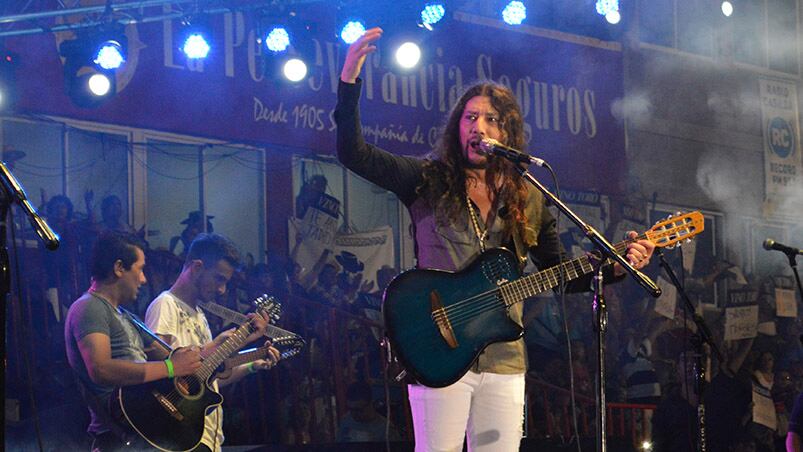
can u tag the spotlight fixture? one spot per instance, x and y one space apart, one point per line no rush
110 55
277 39
294 69
431 14
408 55
609 9
194 38
90 64
352 31
514 13
291 49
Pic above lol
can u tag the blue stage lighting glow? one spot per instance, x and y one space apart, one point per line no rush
605 7
295 70
352 31
195 46
110 55
432 13
514 13
408 55
99 84
278 40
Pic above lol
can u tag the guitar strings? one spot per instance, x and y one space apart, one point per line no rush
466 310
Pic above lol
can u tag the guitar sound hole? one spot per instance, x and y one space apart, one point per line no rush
189 387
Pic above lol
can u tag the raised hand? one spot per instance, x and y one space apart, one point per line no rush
355 56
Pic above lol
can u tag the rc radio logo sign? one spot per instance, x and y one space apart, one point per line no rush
781 137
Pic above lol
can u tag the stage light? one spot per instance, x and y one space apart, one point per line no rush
432 14
194 37
408 55
727 8
110 55
295 70
278 39
514 13
646 445
99 84
352 31
609 9
90 63
195 46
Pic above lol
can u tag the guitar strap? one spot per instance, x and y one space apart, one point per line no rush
143 328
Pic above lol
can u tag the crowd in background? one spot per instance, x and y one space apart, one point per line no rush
335 389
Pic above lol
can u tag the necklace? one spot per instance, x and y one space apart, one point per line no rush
481 236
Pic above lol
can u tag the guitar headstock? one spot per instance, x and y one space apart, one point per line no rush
676 229
270 305
288 346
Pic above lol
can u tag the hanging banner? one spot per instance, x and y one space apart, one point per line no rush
782 157
312 237
565 85
365 252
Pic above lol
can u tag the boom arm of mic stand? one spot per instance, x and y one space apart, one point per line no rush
596 238
16 192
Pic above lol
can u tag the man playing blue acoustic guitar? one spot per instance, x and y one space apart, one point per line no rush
462 202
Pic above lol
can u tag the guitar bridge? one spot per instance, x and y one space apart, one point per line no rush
168 406
442 319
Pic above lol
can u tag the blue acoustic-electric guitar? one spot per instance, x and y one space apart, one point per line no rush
438 322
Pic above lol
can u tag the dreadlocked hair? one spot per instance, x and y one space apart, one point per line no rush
444 176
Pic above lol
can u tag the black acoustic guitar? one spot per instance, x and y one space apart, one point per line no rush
169 413
438 322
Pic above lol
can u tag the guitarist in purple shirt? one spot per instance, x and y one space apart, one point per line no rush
462 203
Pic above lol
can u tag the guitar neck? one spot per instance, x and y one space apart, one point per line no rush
238 318
531 285
247 357
224 350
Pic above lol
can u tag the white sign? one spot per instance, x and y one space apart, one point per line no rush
741 322
763 408
785 303
782 158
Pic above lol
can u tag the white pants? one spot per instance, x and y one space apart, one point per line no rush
487 408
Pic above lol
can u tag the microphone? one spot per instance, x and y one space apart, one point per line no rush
17 193
489 146
770 245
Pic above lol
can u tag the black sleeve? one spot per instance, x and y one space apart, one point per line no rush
547 252
399 174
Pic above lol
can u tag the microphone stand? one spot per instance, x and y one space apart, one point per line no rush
793 263
13 192
601 315
701 337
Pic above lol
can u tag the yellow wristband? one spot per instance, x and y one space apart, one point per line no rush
169 364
